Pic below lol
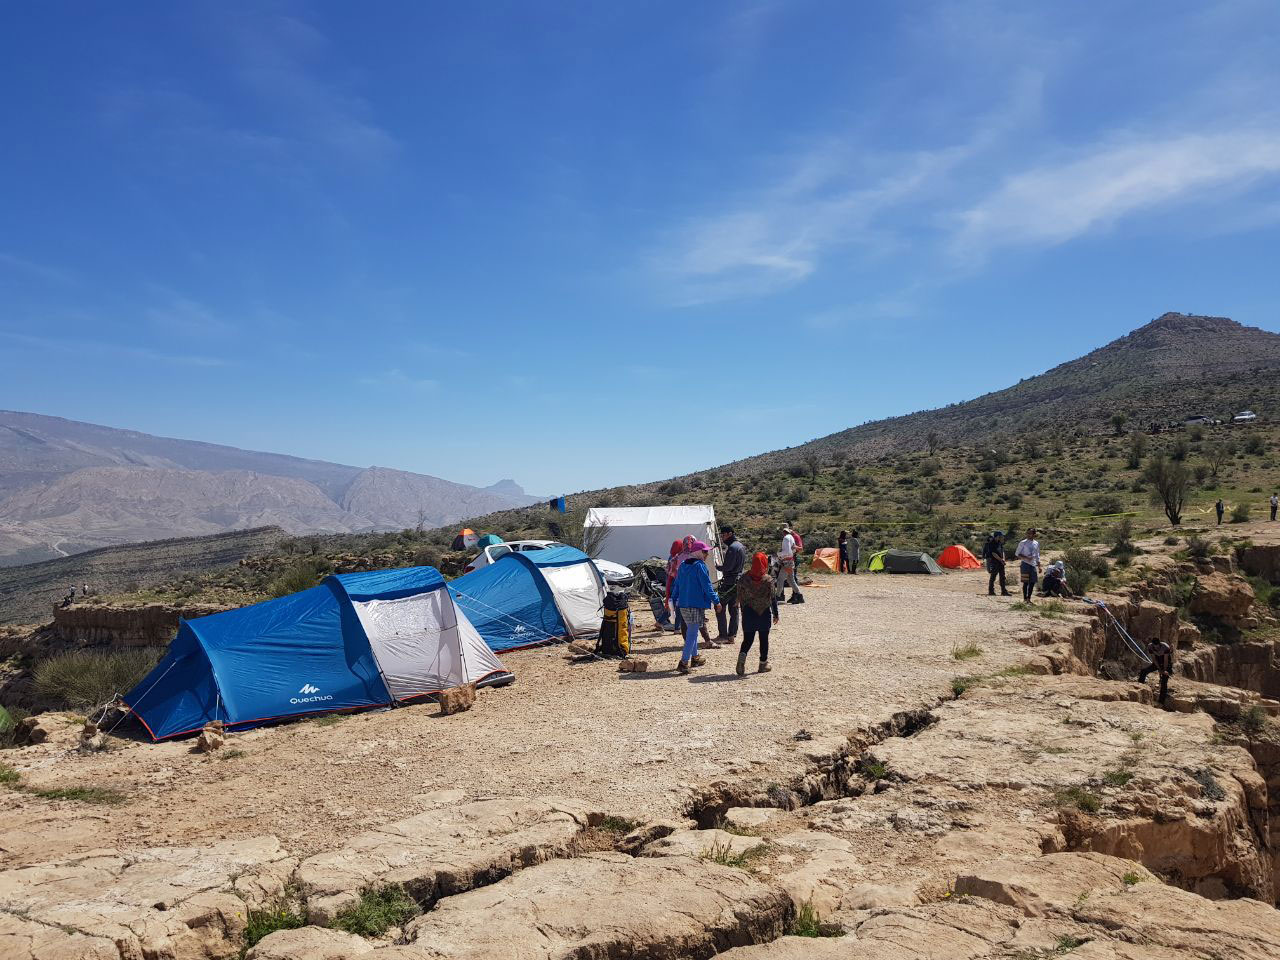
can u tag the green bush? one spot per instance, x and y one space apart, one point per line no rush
84 678
301 576
9 719
1240 513
1080 565
1198 548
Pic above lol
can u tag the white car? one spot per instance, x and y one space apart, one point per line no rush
1244 416
614 574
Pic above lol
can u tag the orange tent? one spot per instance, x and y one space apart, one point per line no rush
826 559
956 557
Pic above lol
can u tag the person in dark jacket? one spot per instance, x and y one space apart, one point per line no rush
735 562
993 557
843 544
855 552
1219 508
1161 655
694 595
759 611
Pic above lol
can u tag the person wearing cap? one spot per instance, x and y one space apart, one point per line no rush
1028 553
1055 581
993 556
735 562
694 594
787 567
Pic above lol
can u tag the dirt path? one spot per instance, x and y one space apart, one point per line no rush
860 650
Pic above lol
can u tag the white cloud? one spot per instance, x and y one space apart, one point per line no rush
1059 201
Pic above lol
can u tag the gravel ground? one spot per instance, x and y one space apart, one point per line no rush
861 649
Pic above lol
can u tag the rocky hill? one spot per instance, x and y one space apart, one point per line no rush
1172 367
67 486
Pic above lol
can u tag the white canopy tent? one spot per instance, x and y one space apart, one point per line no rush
638 533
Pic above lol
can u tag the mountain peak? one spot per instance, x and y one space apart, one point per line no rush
1188 324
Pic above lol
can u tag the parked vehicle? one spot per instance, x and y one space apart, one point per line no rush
1244 416
614 574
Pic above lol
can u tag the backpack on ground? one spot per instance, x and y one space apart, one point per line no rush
615 628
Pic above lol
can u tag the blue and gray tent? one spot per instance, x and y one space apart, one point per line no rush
523 599
357 640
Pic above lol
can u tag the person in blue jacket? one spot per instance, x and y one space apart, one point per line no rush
694 595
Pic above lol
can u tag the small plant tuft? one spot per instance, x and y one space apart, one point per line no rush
278 915
966 651
1117 778
1208 783
82 795
723 854
622 825
1131 878
9 777
379 909
1253 720
809 924
1080 798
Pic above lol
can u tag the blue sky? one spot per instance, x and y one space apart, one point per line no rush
581 244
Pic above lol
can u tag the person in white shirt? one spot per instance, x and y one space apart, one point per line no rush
787 567
1029 553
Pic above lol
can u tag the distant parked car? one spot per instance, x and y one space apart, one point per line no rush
1199 420
614 574
1244 416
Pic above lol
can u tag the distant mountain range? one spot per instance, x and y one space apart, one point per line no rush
67 486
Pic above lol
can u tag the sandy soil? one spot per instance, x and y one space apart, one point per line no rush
861 649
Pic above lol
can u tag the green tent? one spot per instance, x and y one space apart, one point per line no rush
488 540
902 561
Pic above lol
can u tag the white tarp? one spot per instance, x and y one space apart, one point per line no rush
637 533
424 644
579 595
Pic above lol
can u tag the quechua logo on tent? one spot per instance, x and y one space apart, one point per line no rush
309 695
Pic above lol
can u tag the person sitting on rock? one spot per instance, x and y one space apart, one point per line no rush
1055 581
1161 655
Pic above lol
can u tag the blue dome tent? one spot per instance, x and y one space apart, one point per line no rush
357 640
527 598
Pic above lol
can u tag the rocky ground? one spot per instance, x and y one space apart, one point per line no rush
1031 810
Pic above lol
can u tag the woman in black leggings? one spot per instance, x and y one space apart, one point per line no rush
759 611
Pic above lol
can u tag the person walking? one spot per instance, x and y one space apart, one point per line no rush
759 611
843 544
1028 553
673 567
787 567
1219 509
1161 655
1275 502
694 595
855 552
735 562
993 556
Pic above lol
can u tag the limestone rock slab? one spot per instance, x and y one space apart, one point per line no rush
444 851
602 905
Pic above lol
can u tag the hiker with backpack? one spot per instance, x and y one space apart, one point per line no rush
759 611
694 595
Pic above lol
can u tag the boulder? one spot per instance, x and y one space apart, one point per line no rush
1152 621
1037 887
1262 562
457 699
701 843
750 818
603 905
211 738
309 943
36 729
444 851
1221 596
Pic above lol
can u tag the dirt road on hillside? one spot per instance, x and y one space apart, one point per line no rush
860 650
